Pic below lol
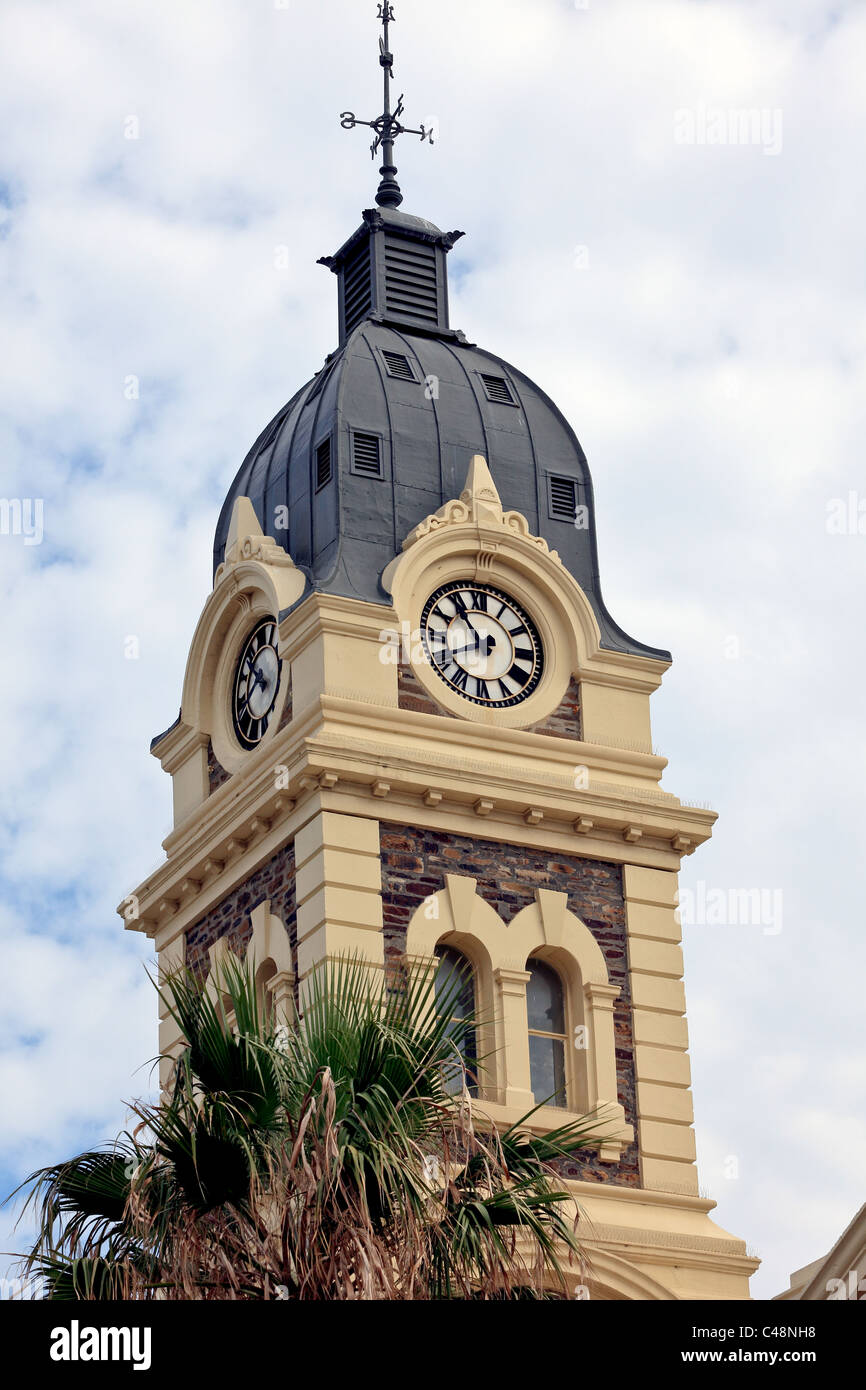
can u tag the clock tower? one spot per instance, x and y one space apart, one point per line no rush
410 727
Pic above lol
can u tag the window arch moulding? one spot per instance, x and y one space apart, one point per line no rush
457 915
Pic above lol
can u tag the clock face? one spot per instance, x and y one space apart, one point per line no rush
257 681
482 643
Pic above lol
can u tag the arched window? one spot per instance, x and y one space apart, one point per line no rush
455 991
545 1008
265 973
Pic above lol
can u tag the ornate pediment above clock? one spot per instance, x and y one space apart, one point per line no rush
501 624
248 542
236 684
479 503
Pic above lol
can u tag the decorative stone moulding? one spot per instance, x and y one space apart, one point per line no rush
498 953
473 538
479 502
247 541
257 578
229 827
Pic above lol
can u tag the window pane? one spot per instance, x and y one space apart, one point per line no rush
454 968
544 998
547 1069
455 991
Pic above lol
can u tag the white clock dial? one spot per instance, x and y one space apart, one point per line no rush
257 682
482 643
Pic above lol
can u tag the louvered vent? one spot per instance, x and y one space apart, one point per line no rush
357 287
398 366
366 455
411 280
323 463
563 498
497 389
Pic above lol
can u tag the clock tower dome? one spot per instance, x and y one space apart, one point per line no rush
409 727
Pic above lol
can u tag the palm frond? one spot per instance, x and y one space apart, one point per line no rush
329 1160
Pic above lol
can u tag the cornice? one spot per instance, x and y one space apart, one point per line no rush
610 1233
248 788
325 752
339 724
513 786
185 887
644 1196
623 671
673 1248
177 744
452 733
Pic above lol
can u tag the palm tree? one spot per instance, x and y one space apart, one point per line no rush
330 1159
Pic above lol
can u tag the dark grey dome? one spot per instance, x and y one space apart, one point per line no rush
383 435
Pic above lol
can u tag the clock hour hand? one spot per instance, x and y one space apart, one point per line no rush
476 646
485 637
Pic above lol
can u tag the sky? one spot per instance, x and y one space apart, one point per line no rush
663 207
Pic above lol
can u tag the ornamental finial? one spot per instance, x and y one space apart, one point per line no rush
388 125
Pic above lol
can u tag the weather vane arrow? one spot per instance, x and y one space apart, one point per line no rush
387 126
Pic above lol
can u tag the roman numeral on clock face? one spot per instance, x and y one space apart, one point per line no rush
462 603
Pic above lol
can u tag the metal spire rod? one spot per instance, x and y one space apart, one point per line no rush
388 125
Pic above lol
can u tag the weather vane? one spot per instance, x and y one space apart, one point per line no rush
388 125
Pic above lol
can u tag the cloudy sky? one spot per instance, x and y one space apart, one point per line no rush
685 279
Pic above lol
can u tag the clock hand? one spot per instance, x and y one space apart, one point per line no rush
458 651
489 643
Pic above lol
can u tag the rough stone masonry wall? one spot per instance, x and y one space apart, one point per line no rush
565 721
414 865
274 880
216 773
